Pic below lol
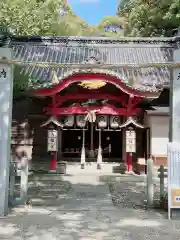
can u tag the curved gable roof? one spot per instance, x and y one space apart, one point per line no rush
71 51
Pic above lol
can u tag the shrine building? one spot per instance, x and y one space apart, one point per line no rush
102 103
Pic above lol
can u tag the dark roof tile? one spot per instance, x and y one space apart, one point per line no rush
106 54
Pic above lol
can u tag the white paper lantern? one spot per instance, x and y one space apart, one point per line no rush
102 121
69 121
115 122
80 121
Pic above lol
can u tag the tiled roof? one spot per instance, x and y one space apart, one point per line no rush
158 111
76 52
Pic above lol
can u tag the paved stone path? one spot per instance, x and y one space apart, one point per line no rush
88 207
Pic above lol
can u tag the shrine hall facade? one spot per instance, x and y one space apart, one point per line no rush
99 106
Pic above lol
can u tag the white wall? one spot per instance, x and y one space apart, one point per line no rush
159 126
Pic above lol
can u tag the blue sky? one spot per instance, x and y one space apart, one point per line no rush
92 11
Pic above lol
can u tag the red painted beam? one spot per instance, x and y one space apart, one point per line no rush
132 104
121 99
107 109
92 77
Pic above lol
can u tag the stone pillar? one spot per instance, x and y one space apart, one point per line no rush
174 123
53 149
6 86
99 156
24 180
83 151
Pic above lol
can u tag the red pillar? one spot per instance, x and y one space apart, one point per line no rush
129 162
53 162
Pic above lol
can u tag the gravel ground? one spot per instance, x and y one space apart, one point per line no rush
89 207
128 193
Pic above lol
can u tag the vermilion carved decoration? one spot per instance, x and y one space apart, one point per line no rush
127 98
84 96
107 109
128 103
123 100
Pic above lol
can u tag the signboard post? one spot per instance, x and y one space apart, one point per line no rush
130 141
130 146
52 146
52 140
173 177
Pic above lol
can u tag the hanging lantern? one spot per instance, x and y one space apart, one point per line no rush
102 121
115 122
81 121
69 121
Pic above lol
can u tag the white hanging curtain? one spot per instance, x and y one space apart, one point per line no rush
91 116
115 122
102 121
69 121
81 121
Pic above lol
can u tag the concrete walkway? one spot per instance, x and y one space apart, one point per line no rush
88 207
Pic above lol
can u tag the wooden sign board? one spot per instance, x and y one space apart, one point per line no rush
52 141
175 197
173 176
130 141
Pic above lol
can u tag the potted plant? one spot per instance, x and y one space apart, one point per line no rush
164 201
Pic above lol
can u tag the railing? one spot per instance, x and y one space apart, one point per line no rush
78 150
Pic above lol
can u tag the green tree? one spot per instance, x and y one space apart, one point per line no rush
35 17
150 18
111 21
38 17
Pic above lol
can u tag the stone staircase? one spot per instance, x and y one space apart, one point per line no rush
73 168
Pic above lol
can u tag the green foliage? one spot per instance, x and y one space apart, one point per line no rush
35 17
40 18
56 18
111 20
150 18
21 82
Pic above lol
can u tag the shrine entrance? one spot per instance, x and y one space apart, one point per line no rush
93 110
111 143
